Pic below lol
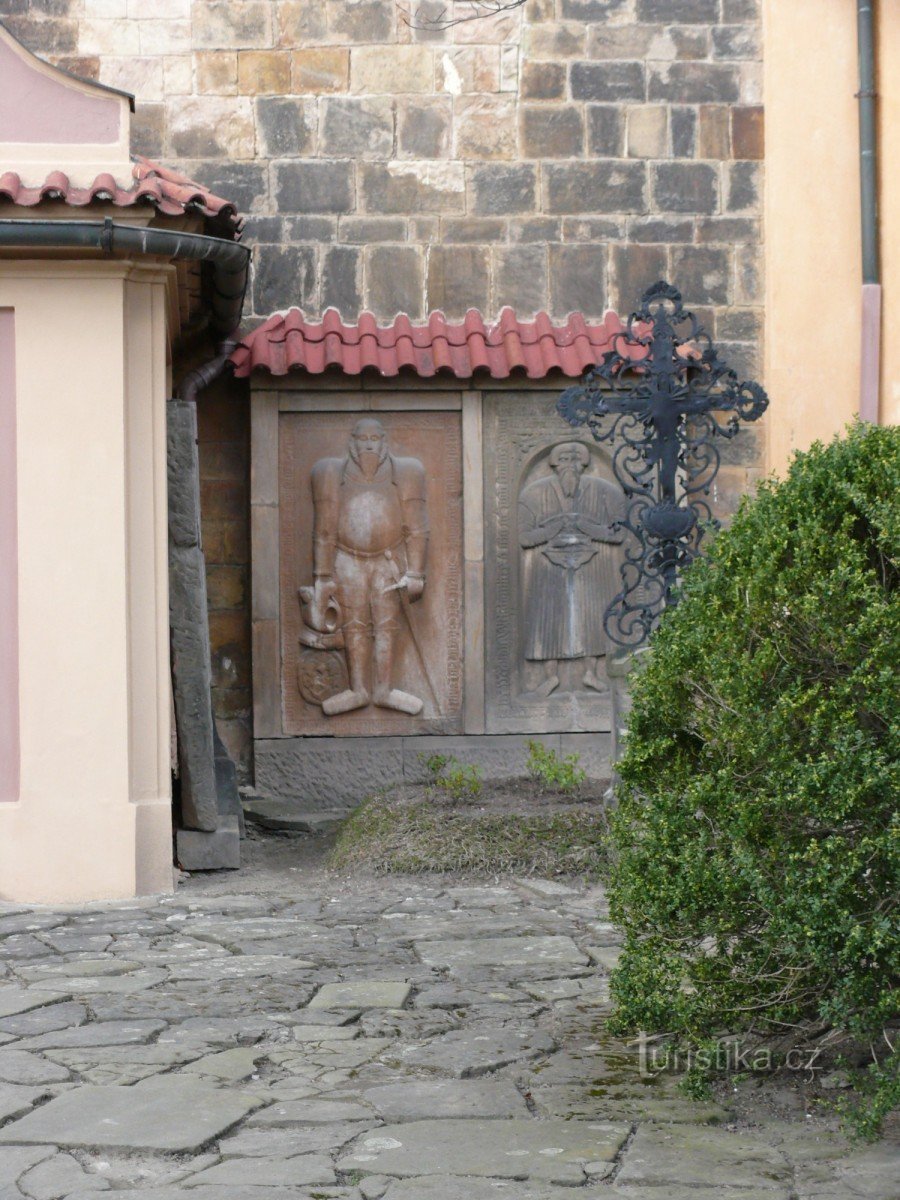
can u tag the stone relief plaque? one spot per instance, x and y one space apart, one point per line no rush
551 567
371 573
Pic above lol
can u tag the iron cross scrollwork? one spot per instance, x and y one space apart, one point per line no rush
660 398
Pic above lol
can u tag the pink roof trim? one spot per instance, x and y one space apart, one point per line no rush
288 342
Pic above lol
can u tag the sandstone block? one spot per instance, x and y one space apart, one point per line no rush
647 131
282 276
554 40
685 187
390 70
310 229
300 22
519 278
593 10
362 230
747 132
226 586
216 72
412 187
458 279
244 183
462 69
320 70
607 81
694 83
341 279
525 230
592 229
629 42
606 130
485 127
179 74
107 37
713 135
578 280
358 128
736 42
509 68
165 37
148 130
503 189
221 24
543 81
423 126
552 132
749 286
394 282
54 36
264 72
360 20
286 127
702 274
632 269
314 187
144 77
660 229
690 41
504 27
743 187
679 12
210 126
472 229
595 186
683 131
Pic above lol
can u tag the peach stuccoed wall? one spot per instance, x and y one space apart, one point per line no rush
93 815
812 219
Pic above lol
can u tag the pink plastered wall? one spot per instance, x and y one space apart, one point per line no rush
9 583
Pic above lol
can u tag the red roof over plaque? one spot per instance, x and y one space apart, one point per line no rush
288 342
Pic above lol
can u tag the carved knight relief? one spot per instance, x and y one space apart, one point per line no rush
372 635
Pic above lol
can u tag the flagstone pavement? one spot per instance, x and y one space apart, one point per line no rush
283 1033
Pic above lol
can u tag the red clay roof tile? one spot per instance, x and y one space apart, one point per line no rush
288 342
169 192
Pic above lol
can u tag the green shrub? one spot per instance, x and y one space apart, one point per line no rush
552 772
458 780
755 848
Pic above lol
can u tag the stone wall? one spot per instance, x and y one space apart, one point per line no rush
562 156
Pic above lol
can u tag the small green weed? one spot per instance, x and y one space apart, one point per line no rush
459 780
552 772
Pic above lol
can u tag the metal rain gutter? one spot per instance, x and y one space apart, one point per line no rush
870 369
229 262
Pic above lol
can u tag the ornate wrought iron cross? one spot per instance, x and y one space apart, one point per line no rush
659 399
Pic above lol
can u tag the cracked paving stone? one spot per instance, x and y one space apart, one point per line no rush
546 1151
451 995
285 1143
502 953
16 1160
237 966
29 922
135 981
16 1100
702 1157
451 1187
57 1177
478 1098
691 1192
73 968
466 1053
621 1103
15 999
171 1112
300 1171
45 1020
361 995
317 1111
18 1066
229 1065
323 1033
105 1033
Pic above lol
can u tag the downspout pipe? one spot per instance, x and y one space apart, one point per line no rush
870 370
229 262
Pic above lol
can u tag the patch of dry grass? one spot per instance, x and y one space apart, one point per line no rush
412 835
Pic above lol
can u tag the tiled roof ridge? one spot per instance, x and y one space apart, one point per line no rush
287 341
170 193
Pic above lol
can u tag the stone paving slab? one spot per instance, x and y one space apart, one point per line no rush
363 994
548 1151
507 953
697 1157
475 1098
173 1113
17 1100
15 999
452 1187
478 1050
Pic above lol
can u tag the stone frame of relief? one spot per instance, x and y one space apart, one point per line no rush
303 760
520 430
